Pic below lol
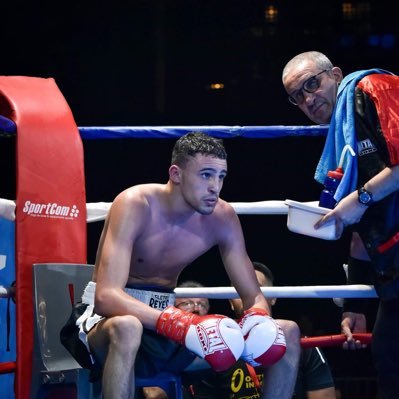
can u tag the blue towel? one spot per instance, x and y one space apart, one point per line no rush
341 133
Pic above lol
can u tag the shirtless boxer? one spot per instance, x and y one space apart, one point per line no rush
152 232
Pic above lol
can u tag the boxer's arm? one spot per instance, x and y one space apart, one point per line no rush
126 219
236 260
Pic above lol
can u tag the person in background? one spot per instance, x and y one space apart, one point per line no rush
362 110
199 369
199 306
314 380
152 232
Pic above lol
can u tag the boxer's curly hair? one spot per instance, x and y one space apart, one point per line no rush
197 143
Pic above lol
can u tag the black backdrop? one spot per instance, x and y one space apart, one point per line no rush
150 62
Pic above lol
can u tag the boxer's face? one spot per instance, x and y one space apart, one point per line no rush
201 181
314 90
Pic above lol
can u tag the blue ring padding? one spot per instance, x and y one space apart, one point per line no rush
7 277
167 132
8 127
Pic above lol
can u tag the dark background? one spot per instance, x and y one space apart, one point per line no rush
153 62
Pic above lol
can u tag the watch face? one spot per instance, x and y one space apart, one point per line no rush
364 197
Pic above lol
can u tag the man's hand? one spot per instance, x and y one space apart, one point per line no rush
353 323
347 212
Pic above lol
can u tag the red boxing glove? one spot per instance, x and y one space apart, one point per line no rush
264 338
215 338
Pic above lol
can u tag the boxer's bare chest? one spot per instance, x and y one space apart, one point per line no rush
165 248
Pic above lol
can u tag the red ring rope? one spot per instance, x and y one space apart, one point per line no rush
334 340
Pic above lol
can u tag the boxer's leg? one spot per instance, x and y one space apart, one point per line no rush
115 342
279 380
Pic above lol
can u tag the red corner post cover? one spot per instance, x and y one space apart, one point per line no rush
51 202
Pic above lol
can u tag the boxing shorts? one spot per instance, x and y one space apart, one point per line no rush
73 335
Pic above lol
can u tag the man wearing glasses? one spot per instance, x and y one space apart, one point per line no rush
241 381
362 110
200 370
198 306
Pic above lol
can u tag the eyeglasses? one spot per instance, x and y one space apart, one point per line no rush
190 305
310 86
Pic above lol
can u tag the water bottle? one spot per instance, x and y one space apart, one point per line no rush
331 183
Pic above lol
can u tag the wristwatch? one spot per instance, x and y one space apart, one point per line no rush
364 196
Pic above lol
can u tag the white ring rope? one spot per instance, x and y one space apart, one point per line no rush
7 292
97 211
7 209
313 291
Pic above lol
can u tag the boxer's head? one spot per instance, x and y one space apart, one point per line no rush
198 170
194 143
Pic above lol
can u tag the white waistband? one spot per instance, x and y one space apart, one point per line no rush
155 299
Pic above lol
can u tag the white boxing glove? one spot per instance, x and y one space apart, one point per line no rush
215 338
264 339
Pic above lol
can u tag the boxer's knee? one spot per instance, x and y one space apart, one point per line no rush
291 331
292 334
125 332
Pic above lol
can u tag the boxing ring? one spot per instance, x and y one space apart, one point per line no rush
50 225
